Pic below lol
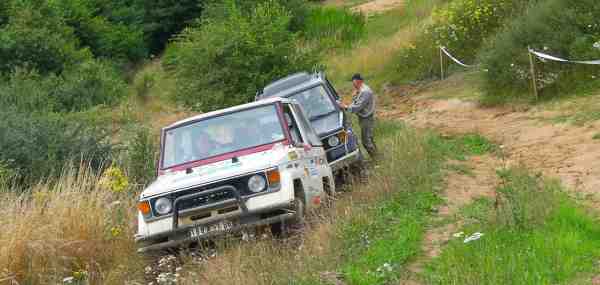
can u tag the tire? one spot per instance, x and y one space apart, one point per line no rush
286 228
329 197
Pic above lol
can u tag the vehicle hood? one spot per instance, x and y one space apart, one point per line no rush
327 124
179 180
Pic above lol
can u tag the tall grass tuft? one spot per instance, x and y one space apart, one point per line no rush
333 27
70 227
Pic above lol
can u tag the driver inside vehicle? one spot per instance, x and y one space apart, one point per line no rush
249 133
203 145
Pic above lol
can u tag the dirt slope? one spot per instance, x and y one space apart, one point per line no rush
557 150
377 6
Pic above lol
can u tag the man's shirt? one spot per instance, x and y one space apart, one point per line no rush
363 104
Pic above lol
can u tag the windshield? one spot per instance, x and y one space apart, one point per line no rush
221 135
315 102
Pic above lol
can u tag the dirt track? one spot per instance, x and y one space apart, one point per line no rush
377 6
557 150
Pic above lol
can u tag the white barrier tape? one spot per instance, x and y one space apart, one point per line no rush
454 58
554 58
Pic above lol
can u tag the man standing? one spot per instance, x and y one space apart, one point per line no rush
363 105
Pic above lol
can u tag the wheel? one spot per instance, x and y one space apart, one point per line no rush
329 196
284 229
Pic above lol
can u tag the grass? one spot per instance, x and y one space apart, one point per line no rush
385 34
537 235
460 147
333 27
379 243
596 136
461 169
70 227
578 109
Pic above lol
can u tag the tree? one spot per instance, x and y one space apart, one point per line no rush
224 61
36 37
164 18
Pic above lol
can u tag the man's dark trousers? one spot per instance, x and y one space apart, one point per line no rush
367 125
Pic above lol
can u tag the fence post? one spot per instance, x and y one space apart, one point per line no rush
532 70
441 63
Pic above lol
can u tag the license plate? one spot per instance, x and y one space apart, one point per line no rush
203 230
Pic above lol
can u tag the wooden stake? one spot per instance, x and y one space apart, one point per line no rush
533 77
441 63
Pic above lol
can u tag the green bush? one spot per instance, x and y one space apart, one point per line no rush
223 62
26 90
40 144
141 156
3 13
462 26
333 26
89 84
568 29
36 37
79 88
219 10
121 39
165 18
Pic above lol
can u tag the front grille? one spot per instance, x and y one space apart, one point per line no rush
206 200
239 183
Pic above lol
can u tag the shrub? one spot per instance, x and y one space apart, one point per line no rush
79 88
224 62
220 10
7 175
568 29
462 26
121 38
142 155
333 26
36 37
165 18
28 91
39 144
143 83
3 12
89 84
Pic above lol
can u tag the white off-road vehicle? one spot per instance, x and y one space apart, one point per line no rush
258 164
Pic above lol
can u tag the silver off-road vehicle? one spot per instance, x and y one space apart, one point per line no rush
320 102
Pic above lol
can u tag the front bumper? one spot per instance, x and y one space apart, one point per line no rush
346 160
179 235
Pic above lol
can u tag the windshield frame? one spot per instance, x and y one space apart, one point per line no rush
228 155
336 107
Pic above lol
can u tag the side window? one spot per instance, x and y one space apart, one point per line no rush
292 125
308 130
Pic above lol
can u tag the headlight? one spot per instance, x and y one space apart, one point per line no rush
163 206
333 141
257 183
